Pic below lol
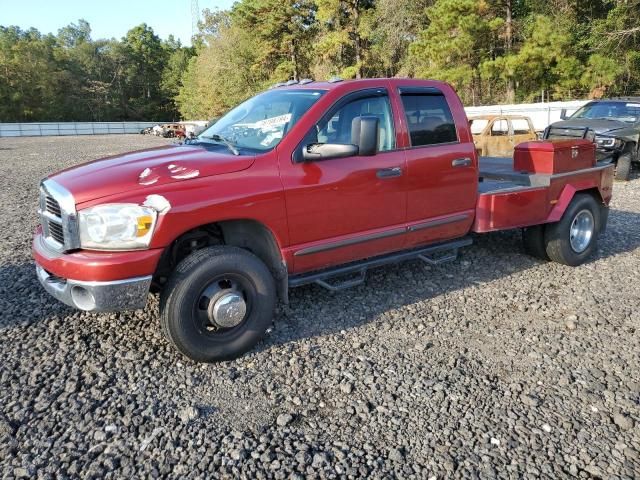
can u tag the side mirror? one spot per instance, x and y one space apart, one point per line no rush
364 133
563 114
325 151
364 142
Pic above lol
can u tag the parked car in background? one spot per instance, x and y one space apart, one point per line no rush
195 128
174 130
616 125
496 136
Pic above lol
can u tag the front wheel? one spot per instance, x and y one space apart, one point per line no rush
623 167
217 304
573 239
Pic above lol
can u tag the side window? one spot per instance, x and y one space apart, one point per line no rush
500 128
478 125
520 126
337 129
429 119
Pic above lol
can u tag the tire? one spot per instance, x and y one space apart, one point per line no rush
533 241
573 246
195 289
623 167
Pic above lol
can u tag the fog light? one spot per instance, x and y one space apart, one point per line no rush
83 298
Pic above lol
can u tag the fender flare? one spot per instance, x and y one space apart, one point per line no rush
567 194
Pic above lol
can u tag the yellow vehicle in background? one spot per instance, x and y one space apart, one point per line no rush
497 135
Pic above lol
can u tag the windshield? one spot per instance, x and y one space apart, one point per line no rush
624 112
261 122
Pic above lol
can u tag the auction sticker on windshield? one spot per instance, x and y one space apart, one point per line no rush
274 121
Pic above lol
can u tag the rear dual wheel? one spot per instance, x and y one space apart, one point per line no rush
217 304
574 238
571 240
533 240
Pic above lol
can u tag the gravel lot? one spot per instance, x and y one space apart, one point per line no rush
497 365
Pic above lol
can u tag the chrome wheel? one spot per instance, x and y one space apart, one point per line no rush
581 231
223 304
228 310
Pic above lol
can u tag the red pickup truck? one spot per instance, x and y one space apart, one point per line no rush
308 182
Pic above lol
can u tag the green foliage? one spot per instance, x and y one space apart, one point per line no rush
225 72
345 38
396 25
284 30
619 33
491 50
601 71
455 44
543 61
70 77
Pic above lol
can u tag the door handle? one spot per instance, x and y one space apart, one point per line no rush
461 162
389 172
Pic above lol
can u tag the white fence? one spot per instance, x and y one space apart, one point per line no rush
542 114
39 129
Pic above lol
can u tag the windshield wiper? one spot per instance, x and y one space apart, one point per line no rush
221 139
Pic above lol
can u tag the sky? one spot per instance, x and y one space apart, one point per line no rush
108 18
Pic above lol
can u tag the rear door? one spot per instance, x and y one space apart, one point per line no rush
442 179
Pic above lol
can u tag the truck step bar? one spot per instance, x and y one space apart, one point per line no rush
356 272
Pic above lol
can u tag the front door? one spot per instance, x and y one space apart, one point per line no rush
500 142
441 168
344 209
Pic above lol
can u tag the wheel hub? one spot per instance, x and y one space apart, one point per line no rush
227 310
581 231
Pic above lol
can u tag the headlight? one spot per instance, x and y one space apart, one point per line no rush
117 226
608 142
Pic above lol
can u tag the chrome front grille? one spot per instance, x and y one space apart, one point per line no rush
56 232
52 206
58 217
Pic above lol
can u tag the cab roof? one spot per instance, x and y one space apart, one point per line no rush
336 83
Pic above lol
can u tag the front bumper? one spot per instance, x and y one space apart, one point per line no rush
603 154
116 295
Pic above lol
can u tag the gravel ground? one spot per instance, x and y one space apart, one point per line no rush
497 365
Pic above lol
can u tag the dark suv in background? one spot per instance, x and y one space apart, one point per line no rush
615 124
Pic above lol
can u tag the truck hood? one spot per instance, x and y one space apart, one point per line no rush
146 169
598 125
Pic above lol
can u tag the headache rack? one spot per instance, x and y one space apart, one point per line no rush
560 132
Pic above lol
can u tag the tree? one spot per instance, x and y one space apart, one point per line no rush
73 35
600 73
543 63
177 63
396 25
220 76
284 31
490 50
619 32
29 77
455 44
145 59
346 29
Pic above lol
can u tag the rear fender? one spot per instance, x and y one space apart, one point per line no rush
567 194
